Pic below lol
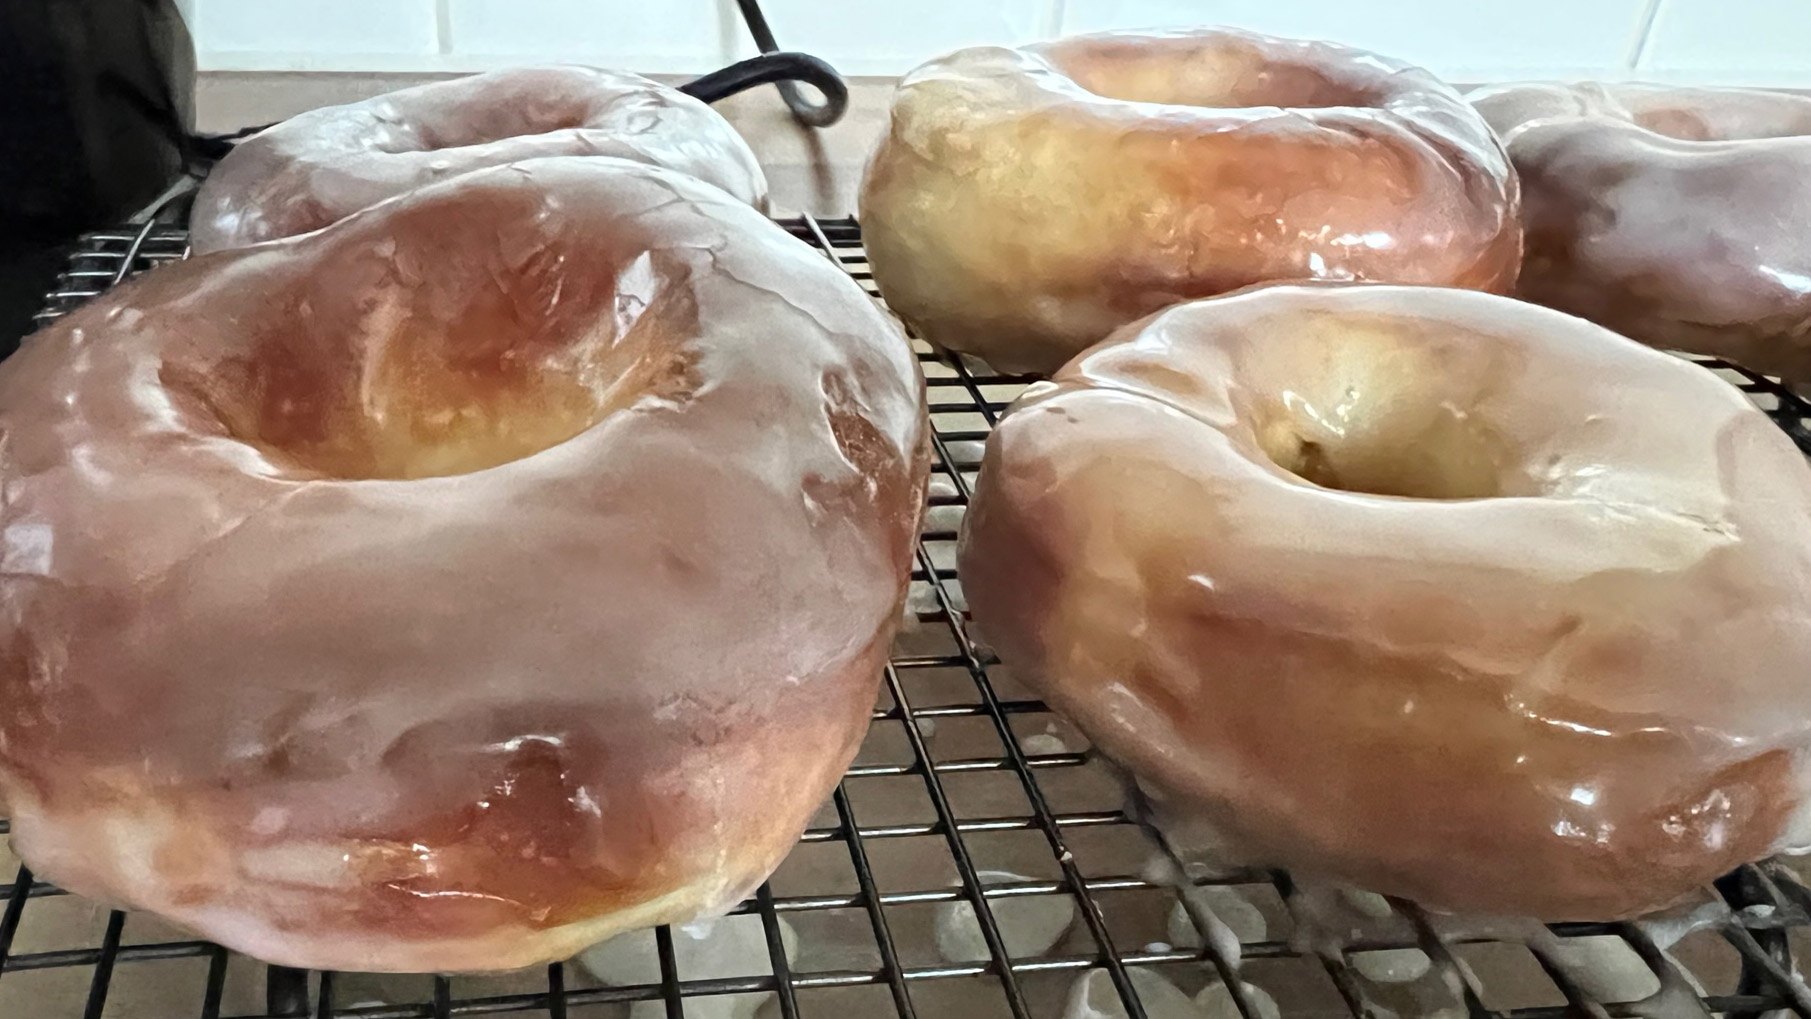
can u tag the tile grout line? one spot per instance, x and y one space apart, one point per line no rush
1644 33
729 30
1054 16
443 26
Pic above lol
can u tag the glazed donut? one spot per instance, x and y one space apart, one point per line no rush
1679 217
321 166
1024 203
1428 590
402 597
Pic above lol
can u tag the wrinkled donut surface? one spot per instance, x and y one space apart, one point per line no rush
1427 590
1680 217
320 166
506 566
1026 202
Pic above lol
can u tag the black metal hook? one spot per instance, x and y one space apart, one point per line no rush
809 113
782 69
785 70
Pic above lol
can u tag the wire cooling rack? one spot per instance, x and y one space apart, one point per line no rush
970 813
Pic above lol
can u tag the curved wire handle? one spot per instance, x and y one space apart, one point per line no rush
775 68
782 69
785 70
809 113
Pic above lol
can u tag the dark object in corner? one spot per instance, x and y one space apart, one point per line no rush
96 107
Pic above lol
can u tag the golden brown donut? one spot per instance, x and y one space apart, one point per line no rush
1680 217
1026 202
321 166
1428 590
506 566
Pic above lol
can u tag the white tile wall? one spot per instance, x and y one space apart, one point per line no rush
1735 42
876 37
1758 42
660 35
246 31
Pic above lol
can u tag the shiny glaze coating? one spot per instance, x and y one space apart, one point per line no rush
1680 217
1026 202
509 565
1427 590
318 167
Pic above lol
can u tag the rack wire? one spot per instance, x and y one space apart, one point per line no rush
969 799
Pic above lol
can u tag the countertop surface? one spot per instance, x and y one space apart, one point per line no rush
814 171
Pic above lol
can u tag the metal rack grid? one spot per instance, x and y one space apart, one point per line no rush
958 774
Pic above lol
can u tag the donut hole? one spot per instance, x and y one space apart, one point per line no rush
1682 125
1760 118
521 104
1388 447
485 126
471 365
1225 76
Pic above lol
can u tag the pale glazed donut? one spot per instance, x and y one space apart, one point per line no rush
1680 217
1558 665
509 565
321 166
1025 203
